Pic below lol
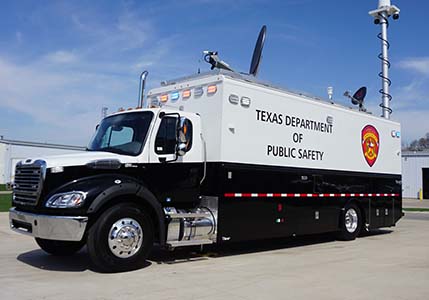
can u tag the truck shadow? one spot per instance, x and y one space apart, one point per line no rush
191 254
80 261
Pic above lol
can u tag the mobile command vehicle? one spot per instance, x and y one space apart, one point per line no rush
213 158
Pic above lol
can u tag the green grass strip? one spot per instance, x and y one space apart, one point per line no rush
5 202
415 209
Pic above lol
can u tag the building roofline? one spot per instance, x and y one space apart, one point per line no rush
41 145
415 153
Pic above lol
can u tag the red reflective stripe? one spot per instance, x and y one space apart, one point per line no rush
301 195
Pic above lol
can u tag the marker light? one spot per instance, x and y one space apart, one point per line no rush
198 91
154 102
245 101
164 98
175 96
186 94
233 99
211 89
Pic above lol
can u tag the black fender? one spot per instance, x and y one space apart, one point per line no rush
101 189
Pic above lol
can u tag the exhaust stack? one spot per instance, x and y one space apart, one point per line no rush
143 76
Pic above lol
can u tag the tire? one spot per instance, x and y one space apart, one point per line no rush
350 222
59 248
121 239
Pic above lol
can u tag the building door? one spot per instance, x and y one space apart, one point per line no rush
425 177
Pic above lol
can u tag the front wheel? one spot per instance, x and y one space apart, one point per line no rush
350 222
121 239
59 248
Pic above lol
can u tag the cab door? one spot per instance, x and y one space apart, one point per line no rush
176 157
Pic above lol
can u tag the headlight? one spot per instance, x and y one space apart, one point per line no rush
66 200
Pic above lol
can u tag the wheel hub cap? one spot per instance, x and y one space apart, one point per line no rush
351 220
125 237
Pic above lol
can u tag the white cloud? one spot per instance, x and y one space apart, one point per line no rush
414 123
61 57
61 92
417 64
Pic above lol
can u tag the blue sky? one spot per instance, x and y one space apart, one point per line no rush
61 61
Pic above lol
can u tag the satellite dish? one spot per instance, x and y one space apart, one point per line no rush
257 53
359 96
213 59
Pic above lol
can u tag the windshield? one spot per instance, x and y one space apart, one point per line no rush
122 134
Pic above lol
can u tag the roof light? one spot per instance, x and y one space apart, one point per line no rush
153 102
198 91
245 101
186 94
211 89
175 96
164 98
233 99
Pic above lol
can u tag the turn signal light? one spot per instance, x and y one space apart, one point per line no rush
186 94
211 89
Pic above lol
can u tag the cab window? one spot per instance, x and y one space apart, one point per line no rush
165 142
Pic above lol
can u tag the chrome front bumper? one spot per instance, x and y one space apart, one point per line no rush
62 228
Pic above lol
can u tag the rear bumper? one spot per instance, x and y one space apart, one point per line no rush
62 228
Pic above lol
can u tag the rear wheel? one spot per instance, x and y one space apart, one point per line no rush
350 222
59 248
121 239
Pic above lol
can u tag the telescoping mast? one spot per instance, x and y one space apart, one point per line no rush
381 16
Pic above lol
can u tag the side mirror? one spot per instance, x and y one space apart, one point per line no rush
184 136
181 149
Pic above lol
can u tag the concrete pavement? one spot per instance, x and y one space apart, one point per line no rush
415 203
388 264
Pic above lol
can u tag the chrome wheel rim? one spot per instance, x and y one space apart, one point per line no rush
351 220
125 237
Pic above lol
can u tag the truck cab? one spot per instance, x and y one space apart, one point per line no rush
142 162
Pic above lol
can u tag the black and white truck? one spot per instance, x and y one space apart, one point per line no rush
213 158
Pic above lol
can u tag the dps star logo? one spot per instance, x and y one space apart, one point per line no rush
370 144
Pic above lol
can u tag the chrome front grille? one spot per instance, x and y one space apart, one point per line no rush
28 182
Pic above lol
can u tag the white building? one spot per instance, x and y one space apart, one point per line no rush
13 151
415 174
